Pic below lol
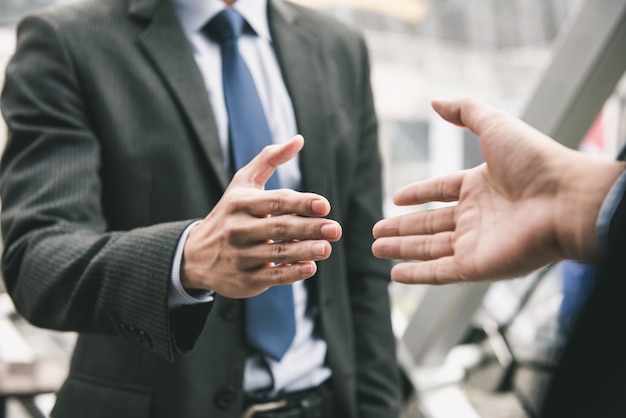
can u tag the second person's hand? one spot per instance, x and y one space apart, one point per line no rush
532 202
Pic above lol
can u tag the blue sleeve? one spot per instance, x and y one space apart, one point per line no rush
608 208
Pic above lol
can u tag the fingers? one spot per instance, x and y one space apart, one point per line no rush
251 282
260 169
251 271
253 242
435 272
439 189
426 235
416 236
417 223
284 252
281 274
281 228
279 202
415 247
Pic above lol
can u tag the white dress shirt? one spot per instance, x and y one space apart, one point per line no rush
302 366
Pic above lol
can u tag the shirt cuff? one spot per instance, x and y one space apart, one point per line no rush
609 206
178 296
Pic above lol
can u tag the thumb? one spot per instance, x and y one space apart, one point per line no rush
258 171
465 112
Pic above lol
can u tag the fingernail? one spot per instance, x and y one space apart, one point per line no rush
330 230
319 206
319 249
308 268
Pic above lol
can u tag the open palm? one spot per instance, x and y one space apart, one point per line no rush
505 221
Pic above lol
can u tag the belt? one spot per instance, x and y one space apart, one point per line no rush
317 402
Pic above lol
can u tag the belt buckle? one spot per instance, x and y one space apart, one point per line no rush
256 408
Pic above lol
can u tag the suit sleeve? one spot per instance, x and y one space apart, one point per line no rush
590 377
63 267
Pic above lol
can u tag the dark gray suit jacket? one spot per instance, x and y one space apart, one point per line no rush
113 151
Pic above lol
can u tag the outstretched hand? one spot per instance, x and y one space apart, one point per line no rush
531 203
255 238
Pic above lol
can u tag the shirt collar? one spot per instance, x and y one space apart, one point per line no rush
194 14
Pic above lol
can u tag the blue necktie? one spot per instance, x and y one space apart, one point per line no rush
271 323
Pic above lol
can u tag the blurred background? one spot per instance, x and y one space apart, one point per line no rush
484 350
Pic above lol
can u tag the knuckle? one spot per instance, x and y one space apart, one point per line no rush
230 233
312 229
429 221
279 227
246 280
425 248
278 250
234 255
277 275
238 175
229 258
231 205
266 152
429 247
433 271
276 202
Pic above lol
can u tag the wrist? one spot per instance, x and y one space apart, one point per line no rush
585 185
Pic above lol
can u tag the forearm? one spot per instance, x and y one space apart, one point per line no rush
97 283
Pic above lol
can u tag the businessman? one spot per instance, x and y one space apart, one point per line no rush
120 220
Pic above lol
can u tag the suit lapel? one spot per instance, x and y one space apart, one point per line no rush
166 45
301 61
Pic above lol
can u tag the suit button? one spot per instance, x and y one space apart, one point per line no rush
135 334
125 329
224 398
230 311
145 338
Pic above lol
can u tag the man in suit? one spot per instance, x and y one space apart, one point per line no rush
533 202
120 220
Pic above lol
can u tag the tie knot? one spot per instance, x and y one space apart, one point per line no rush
226 26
